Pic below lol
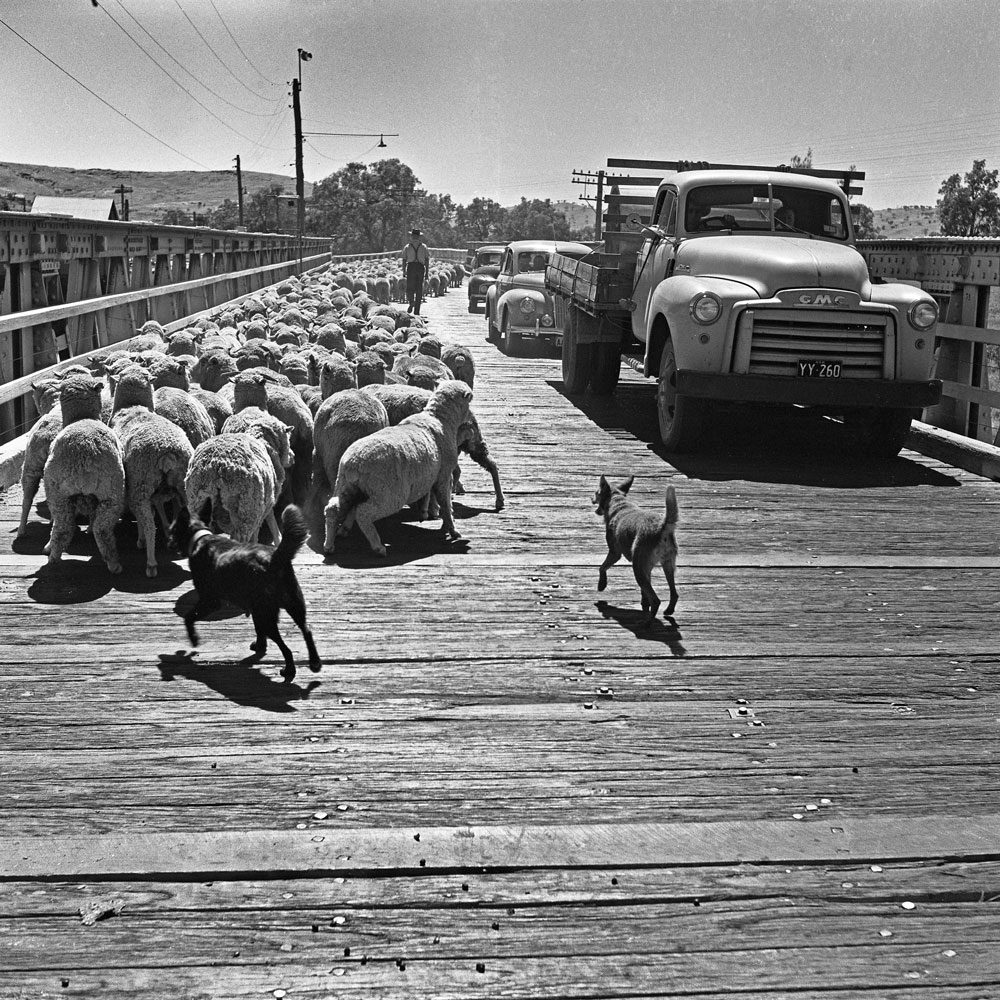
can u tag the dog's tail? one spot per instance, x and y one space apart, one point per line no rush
670 515
293 534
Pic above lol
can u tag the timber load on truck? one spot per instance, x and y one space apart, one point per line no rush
743 286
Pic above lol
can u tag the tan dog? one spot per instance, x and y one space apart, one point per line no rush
645 539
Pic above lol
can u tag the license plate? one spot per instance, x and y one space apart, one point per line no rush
820 369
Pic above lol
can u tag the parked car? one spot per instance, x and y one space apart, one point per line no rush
485 266
518 306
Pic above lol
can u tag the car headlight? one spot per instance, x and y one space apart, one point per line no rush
706 308
527 306
547 320
923 315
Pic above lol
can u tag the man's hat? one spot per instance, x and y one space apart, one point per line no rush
416 232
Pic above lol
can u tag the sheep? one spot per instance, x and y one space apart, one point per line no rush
401 401
342 419
335 375
236 474
459 361
156 454
39 443
396 466
369 369
183 409
84 472
430 347
287 405
404 364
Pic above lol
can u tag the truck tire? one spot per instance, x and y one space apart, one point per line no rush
682 418
880 434
511 342
577 358
607 367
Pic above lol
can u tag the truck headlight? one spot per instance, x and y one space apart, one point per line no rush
527 306
547 320
923 315
706 308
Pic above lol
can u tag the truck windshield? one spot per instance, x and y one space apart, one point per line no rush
484 259
765 208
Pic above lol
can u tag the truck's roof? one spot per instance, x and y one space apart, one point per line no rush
688 179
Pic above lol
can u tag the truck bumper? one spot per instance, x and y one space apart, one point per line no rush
848 392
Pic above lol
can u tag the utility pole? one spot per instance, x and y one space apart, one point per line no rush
300 218
122 190
300 184
239 187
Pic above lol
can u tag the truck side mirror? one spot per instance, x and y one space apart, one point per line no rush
653 232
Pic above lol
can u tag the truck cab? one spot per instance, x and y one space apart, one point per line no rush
749 287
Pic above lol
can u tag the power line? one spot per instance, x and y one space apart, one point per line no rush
216 54
214 93
201 104
107 104
240 47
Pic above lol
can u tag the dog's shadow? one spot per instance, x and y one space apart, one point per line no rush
663 631
239 681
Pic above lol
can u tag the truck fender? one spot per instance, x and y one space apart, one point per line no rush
669 315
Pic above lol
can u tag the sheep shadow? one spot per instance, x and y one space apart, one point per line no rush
777 444
405 536
663 630
238 681
71 581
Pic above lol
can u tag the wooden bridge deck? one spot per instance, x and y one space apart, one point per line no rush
498 787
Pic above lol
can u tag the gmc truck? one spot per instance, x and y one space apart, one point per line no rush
747 287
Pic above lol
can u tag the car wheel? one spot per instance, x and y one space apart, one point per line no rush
681 417
510 340
473 306
577 358
492 333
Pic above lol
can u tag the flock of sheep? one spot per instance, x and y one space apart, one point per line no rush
320 392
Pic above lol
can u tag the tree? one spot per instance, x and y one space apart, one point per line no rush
802 162
480 220
970 207
225 216
175 217
864 224
370 207
534 220
263 214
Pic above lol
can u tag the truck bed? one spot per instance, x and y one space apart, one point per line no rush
597 283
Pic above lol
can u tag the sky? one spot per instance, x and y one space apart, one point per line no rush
503 99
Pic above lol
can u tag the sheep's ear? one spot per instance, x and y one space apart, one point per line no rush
289 430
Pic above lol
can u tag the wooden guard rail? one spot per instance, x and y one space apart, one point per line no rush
71 286
960 274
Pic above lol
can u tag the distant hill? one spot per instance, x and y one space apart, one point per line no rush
153 192
578 215
907 221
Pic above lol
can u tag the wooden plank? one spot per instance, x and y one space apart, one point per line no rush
468 847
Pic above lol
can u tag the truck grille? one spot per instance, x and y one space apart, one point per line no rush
782 338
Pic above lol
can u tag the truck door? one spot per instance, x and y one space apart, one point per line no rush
654 258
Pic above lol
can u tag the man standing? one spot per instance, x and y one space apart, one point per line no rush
416 263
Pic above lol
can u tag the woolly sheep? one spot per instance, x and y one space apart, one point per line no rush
39 443
396 466
84 472
186 412
341 420
155 453
458 359
234 474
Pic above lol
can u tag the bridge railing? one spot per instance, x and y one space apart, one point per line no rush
960 274
73 286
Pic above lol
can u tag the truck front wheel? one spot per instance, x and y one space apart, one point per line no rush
682 418
577 358
607 368
880 434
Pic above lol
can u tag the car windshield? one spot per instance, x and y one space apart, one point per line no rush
765 208
532 260
488 258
